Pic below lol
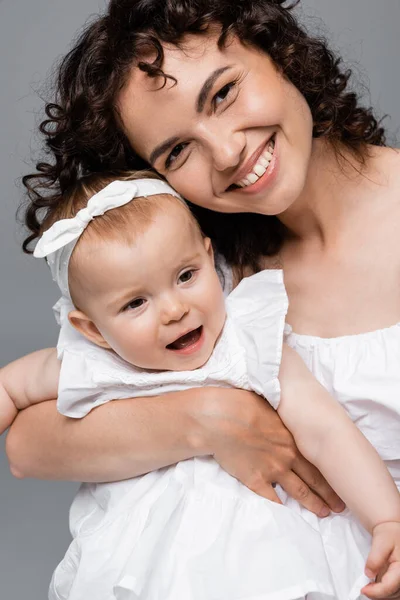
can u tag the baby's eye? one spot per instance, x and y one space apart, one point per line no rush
186 276
223 93
174 154
137 303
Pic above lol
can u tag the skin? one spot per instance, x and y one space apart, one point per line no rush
331 208
137 302
332 211
138 298
234 114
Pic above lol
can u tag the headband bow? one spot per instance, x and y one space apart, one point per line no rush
58 242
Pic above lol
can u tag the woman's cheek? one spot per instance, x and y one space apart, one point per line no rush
193 180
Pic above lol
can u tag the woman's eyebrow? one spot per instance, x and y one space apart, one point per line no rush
161 148
200 103
207 86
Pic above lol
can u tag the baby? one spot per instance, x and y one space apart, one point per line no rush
138 281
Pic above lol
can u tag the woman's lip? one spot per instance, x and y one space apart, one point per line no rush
248 167
265 180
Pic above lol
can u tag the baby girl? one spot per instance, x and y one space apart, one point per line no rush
138 280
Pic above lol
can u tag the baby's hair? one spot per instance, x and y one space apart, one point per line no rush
123 223
116 223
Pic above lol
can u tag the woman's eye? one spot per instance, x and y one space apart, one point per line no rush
174 154
137 303
222 94
186 276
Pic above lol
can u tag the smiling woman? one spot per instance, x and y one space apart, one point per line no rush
172 63
215 128
252 120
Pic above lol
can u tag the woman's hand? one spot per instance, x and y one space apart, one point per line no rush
249 440
127 438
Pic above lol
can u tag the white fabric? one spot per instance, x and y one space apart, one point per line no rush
191 531
247 355
59 241
363 373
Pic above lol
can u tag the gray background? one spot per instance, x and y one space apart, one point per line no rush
33 34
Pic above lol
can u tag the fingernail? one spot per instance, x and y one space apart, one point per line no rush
324 512
340 507
369 573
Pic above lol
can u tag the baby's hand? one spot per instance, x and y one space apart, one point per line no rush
383 562
8 411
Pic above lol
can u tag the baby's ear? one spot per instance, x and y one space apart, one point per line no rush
208 247
87 328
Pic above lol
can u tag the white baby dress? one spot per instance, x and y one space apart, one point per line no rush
191 531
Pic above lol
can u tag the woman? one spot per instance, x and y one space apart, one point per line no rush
204 127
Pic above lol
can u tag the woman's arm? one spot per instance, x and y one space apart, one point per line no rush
126 438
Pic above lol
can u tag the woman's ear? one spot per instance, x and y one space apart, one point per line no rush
87 328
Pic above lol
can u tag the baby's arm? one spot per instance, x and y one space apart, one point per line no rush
328 438
27 381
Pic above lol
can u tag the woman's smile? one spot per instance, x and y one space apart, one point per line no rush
232 134
262 173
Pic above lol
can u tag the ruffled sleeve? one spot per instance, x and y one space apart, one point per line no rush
68 336
89 376
258 307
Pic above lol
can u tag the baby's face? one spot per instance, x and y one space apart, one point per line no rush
157 302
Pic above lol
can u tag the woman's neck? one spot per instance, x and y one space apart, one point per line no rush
329 197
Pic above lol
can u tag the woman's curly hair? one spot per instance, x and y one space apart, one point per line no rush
83 134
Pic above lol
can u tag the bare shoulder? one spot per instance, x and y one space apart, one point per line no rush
385 204
395 170
386 169
378 189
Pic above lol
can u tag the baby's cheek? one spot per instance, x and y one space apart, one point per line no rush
218 302
134 344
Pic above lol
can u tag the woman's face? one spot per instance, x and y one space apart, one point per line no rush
232 135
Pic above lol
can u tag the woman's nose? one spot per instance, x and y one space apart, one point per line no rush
228 150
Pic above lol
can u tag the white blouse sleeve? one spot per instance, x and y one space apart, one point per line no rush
89 376
258 307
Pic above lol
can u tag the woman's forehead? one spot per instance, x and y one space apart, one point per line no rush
186 65
150 110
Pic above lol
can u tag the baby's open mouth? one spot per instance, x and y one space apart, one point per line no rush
187 340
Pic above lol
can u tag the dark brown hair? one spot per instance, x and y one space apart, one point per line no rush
83 135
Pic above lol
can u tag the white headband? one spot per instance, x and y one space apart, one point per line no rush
58 242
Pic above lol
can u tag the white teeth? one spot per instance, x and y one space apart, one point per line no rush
259 170
252 177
